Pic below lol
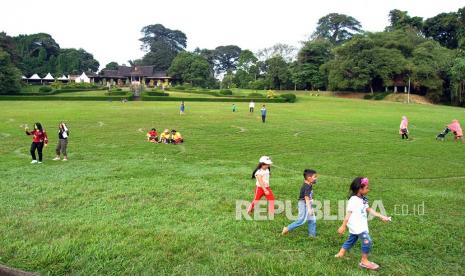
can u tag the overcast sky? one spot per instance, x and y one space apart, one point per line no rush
110 29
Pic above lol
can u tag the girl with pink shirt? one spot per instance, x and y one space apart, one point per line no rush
457 130
403 129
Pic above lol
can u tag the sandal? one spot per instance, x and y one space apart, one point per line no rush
370 266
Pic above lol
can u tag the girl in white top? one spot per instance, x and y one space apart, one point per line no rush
262 176
356 220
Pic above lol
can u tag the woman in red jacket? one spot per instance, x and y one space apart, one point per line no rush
39 139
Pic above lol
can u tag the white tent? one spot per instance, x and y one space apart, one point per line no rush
35 77
82 78
49 77
63 78
23 78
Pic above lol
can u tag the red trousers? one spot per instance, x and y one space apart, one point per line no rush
259 193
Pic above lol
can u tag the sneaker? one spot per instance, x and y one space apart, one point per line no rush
56 158
33 161
65 159
40 162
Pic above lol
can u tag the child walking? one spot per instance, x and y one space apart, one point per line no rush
306 212
403 129
356 220
182 108
39 139
63 134
262 176
263 111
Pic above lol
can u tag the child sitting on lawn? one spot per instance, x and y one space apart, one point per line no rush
165 137
152 136
176 137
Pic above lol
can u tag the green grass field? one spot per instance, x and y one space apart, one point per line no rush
123 206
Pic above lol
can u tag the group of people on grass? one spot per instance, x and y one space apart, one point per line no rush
453 127
40 140
356 218
252 109
166 137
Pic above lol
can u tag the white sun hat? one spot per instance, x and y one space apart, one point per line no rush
265 160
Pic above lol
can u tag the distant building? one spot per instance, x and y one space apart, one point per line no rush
133 74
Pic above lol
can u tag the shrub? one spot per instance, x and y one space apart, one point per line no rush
270 94
290 98
368 97
45 89
434 96
116 93
381 96
226 92
179 87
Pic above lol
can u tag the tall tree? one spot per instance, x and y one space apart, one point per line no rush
247 69
287 52
306 71
112 65
444 28
337 28
10 76
162 45
277 73
191 68
226 58
401 20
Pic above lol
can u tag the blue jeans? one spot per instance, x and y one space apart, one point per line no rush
364 238
303 217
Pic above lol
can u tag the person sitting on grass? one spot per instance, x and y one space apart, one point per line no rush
306 212
403 129
152 136
357 221
39 140
176 137
165 137
457 130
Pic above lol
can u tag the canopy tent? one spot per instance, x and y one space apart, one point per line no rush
35 77
23 78
63 78
82 78
49 77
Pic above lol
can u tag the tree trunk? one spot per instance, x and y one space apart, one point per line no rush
371 89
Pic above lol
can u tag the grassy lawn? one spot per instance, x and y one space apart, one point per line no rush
124 206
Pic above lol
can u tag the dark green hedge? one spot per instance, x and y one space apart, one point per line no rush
64 98
153 93
263 100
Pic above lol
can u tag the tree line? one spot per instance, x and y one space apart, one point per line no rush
428 55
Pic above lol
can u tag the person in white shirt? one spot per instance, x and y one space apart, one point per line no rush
251 106
262 183
356 220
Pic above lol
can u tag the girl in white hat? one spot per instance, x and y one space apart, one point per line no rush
262 176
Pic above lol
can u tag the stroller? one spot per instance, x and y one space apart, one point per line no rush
443 134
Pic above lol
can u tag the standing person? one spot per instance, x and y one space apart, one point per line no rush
63 134
234 107
251 106
356 220
456 129
182 108
262 183
39 139
306 212
403 129
263 111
